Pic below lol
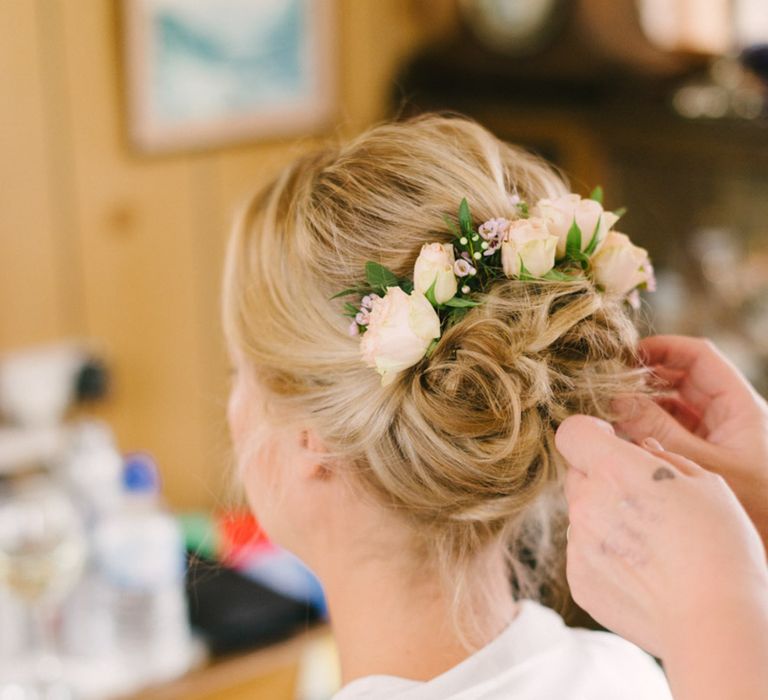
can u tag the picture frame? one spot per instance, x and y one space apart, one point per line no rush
208 73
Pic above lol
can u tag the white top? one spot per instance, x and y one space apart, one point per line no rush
536 658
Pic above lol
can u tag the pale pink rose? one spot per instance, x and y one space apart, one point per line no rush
648 271
400 330
528 243
435 266
559 215
620 266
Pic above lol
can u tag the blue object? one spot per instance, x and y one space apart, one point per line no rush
287 575
140 474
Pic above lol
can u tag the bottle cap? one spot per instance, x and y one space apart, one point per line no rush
140 473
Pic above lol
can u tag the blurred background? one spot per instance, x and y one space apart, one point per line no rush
132 129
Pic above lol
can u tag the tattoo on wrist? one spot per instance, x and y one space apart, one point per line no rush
663 473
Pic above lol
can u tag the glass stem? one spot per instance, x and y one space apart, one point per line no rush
44 643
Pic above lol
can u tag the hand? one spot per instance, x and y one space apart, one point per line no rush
656 543
712 416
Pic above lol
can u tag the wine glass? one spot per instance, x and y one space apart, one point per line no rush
42 551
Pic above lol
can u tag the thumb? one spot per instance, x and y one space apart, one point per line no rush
640 417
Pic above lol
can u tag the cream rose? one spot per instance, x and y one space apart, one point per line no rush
528 243
559 215
435 266
400 330
620 266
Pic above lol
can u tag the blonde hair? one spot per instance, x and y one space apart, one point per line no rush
461 445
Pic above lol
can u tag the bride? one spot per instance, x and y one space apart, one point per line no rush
411 316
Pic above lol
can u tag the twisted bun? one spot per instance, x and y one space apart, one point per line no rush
461 445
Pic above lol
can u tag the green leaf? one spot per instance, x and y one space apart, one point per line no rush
351 308
573 241
430 294
456 314
379 277
465 218
431 347
582 259
557 276
452 227
406 285
522 208
459 303
620 211
524 275
597 194
593 241
352 290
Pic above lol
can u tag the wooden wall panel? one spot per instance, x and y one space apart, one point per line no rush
140 237
126 249
38 302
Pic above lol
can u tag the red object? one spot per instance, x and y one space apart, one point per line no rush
241 538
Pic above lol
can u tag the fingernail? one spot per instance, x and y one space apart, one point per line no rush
604 425
650 443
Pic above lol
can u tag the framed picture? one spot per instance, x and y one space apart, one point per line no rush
202 73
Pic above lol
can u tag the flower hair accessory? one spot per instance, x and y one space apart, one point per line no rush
399 320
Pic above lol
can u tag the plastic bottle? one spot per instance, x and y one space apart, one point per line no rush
11 629
92 471
92 468
139 554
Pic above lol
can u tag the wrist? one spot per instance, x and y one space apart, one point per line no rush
722 653
710 620
708 613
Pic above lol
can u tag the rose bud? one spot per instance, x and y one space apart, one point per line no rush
528 243
620 266
559 215
435 266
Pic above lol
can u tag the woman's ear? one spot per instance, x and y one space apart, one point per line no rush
314 462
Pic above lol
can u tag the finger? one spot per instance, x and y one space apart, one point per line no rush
682 412
678 462
666 378
573 486
590 446
639 418
708 372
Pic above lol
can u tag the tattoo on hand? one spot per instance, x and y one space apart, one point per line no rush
663 473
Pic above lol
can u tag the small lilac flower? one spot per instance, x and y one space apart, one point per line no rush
363 317
493 246
465 289
462 268
353 329
493 229
367 301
